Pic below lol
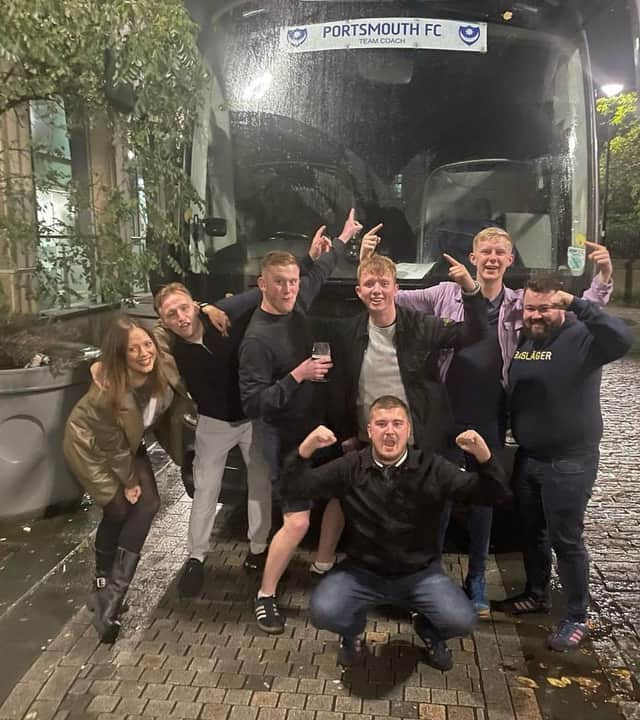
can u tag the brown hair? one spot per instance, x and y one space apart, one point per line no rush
389 402
165 291
115 375
377 265
491 232
544 283
277 258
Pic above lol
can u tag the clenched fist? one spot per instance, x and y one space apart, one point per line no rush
473 443
319 438
561 299
600 256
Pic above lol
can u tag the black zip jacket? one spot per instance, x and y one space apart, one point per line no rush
392 525
418 339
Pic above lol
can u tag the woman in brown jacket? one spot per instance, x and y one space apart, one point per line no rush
104 447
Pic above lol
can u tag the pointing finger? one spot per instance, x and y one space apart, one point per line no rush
375 229
451 260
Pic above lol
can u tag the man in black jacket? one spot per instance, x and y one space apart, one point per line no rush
207 360
554 383
277 376
393 497
390 350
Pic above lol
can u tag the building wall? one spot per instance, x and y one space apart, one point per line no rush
620 270
95 161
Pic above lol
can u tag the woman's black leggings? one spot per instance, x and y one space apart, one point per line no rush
126 525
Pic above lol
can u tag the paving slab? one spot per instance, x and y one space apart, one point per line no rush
205 658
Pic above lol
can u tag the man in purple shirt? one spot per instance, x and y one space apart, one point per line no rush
476 377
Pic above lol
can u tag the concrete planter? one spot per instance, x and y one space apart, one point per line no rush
34 406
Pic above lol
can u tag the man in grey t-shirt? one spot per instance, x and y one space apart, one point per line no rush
395 351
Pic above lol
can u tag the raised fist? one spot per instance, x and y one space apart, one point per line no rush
473 443
319 438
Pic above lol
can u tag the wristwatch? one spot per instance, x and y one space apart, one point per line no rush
203 305
476 289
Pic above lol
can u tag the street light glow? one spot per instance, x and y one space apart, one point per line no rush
611 89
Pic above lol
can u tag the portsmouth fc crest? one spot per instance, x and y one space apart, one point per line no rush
297 36
469 34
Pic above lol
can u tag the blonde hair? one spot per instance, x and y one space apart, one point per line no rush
277 258
115 370
489 233
165 291
377 265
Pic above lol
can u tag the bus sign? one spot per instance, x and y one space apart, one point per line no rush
392 32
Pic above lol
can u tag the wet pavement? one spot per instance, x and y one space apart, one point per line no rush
206 658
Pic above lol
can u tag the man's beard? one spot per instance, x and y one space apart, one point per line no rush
545 327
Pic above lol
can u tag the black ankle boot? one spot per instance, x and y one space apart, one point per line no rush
104 603
104 563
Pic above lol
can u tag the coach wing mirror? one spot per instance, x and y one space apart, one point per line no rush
215 226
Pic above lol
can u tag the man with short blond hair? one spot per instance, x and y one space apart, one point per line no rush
476 377
277 376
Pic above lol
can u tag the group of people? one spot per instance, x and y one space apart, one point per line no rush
413 419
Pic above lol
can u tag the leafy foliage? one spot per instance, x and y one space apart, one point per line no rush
623 214
85 53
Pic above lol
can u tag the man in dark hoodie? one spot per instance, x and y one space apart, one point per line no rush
554 384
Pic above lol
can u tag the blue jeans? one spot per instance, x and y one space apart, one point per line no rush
479 518
551 498
341 600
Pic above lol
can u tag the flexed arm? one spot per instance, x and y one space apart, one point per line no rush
300 480
602 284
610 336
488 485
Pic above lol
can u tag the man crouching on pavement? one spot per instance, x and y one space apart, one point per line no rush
392 497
